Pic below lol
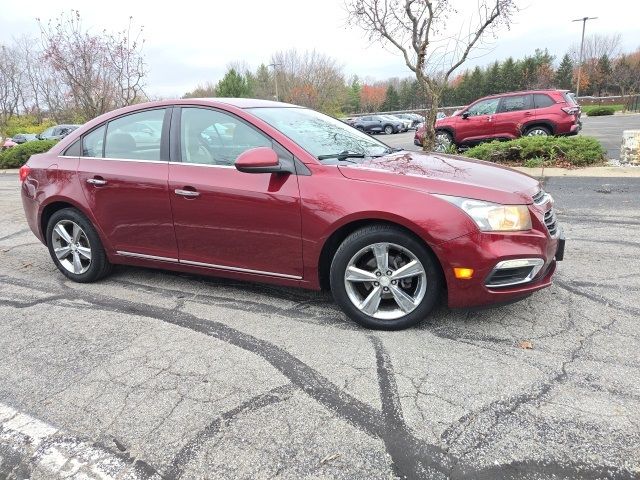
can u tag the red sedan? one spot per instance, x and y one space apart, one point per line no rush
266 191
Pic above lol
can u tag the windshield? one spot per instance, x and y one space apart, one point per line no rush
320 134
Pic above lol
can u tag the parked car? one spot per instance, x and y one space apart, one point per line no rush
24 137
405 123
413 117
57 132
508 116
377 124
294 198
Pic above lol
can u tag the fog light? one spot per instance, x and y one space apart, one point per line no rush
463 273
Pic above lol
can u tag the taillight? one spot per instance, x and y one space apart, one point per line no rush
571 110
24 172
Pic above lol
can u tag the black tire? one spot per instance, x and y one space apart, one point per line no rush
99 265
388 129
544 131
370 235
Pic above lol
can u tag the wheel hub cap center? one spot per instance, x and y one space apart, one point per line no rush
385 281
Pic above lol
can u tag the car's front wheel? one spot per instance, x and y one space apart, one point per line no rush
384 278
444 141
75 247
388 129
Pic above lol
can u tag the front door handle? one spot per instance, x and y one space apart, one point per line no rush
187 193
96 181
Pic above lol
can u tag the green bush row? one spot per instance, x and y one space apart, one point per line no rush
577 151
17 156
600 111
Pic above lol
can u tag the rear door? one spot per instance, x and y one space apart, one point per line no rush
479 123
124 175
513 112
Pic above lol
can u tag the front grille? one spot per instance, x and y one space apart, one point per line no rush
540 197
551 221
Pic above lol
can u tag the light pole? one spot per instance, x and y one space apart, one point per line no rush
275 76
584 23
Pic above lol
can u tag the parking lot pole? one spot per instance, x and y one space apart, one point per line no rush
584 23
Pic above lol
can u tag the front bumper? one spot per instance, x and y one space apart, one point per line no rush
482 251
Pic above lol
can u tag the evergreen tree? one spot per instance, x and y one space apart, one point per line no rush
406 94
509 75
353 95
392 99
233 84
564 74
493 80
603 74
263 86
476 84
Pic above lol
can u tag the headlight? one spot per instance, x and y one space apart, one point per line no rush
493 217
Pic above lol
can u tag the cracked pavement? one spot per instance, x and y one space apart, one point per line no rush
153 374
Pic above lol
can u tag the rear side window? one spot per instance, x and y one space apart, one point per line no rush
515 103
136 136
541 100
92 143
569 98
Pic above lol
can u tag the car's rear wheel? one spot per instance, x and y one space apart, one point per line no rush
75 247
537 132
388 129
444 141
384 278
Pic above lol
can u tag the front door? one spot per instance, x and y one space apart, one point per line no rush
478 124
226 219
123 172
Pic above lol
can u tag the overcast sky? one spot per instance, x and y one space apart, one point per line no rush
190 42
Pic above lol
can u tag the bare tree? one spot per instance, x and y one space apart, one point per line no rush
418 29
10 83
310 79
97 72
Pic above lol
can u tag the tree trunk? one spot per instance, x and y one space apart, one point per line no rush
429 141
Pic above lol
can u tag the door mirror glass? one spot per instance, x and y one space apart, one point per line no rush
465 115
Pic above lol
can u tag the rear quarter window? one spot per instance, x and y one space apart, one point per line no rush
542 100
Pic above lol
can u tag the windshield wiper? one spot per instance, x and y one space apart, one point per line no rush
342 155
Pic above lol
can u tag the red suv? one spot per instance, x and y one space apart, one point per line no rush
508 116
264 191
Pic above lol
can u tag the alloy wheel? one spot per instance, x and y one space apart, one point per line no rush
71 247
385 281
537 132
443 142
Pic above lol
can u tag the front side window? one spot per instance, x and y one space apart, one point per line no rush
484 107
319 134
515 103
92 143
210 137
136 136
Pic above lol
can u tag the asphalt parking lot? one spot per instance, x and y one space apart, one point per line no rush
607 129
150 374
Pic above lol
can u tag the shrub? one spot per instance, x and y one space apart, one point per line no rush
576 151
600 111
17 156
25 124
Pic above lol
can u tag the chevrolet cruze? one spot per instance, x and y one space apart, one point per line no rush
270 192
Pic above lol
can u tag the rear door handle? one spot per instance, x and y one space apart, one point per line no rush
528 114
187 193
96 181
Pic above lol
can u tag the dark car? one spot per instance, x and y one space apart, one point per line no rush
57 132
270 192
508 116
377 124
24 137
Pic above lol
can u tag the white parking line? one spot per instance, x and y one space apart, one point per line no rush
48 450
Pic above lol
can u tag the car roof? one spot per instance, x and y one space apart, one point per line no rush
522 92
248 102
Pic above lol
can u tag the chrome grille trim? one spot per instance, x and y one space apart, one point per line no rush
551 222
541 197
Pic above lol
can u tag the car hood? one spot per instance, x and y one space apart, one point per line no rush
446 175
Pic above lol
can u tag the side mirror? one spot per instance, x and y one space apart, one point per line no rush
259 160
465 115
